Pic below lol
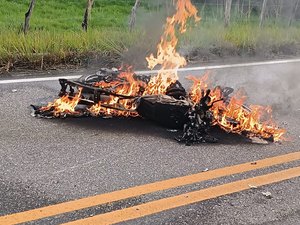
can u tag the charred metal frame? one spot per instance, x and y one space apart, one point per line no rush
173 110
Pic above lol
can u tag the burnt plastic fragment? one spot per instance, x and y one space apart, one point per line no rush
176 90
196 129
165 110
104 74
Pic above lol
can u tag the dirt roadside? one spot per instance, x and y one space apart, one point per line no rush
197 56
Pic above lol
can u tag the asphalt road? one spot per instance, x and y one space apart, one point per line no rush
45 162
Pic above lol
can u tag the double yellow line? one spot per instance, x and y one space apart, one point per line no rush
166 203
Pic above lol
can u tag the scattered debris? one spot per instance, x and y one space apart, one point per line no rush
33 112
257 140
252 186
196 129
172 130
107 117
267 194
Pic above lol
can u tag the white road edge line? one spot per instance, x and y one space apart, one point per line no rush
29 80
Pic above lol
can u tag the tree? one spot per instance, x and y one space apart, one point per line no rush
263 12
28 16
133 15
227 12
87 14
293 14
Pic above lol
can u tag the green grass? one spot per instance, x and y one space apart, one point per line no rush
241 35
59 47
60 15
56 37
55 31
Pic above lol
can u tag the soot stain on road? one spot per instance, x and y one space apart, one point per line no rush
142 127
17 196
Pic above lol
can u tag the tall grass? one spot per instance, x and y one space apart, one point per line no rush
241 35
55 34
59 47
245 28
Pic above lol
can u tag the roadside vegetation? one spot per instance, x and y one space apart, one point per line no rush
243 37
55 36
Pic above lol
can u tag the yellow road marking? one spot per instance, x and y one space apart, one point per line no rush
83 203
186 199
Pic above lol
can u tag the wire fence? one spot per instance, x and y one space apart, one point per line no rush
212 10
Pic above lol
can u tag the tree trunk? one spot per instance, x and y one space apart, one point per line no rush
227 12
133 15
292 17
87 14
27 16
263 12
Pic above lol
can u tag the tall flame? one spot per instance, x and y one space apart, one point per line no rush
167 56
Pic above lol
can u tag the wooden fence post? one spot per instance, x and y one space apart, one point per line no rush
249 9
87 14
133 15
292 16
27 16
227 12
263 12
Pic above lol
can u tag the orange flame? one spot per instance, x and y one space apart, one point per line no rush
234 117
64 105
167 56
116 106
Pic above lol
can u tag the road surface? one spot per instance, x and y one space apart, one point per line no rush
97 171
